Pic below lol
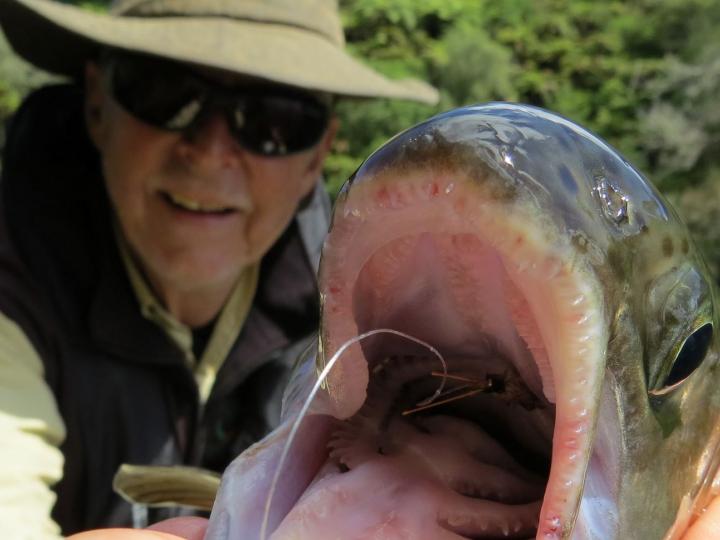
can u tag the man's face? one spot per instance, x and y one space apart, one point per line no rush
197 207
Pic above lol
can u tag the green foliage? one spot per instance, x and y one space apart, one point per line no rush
16 79
643 74
698 206
680 130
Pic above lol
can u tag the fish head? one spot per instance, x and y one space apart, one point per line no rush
542 267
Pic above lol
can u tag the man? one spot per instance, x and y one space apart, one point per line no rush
161 223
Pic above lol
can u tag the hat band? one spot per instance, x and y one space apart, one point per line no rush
318 16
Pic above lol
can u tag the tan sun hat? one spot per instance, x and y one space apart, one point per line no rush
294 42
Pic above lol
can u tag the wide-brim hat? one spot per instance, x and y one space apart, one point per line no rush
294 42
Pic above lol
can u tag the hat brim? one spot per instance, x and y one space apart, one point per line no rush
60 38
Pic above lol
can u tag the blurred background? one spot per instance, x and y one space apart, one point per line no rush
643 74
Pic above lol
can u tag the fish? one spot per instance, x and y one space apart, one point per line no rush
517 340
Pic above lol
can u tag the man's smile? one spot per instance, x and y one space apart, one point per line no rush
184 202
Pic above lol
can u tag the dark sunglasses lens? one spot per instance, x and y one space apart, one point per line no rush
166 96
279 125
156 93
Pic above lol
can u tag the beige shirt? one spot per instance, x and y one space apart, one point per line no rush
31 428
31 431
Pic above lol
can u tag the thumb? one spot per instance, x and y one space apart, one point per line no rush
183 528
707 527
188 528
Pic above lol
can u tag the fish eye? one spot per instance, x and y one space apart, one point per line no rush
691 355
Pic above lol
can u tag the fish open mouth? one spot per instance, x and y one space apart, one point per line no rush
499 431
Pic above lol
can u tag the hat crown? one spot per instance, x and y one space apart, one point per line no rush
320 16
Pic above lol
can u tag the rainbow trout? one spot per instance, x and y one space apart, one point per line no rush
522 342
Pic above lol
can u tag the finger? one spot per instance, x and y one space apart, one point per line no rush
708 526
123 534
189 528
182 528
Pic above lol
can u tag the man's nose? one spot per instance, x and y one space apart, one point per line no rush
211 143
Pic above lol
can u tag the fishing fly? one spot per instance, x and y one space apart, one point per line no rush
471 387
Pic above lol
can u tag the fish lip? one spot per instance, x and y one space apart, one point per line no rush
576 291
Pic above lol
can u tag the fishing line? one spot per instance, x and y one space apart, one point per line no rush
316 388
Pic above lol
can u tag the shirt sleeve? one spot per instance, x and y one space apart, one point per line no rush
31 431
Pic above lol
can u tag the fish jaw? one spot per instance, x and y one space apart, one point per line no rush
553 326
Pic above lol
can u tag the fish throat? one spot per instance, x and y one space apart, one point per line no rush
471 441
502 451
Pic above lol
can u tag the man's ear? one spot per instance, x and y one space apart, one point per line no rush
323 147
94 99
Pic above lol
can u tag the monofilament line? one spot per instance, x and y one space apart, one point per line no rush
316 388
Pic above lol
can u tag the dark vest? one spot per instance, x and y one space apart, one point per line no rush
122 387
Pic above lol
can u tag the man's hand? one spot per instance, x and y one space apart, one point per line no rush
190 528
708 526
185 528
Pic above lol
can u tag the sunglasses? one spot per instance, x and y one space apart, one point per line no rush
269 121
